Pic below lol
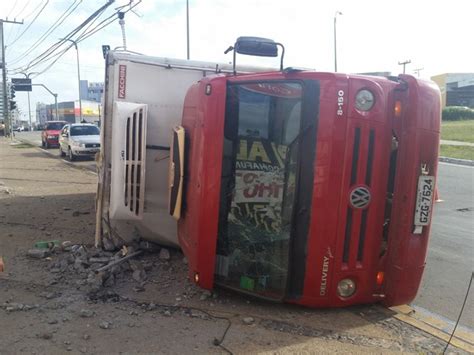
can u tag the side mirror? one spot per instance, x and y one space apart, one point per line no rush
257 46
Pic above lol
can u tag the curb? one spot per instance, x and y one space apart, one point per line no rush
436 326
457 161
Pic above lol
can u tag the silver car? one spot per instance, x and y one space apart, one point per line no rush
79 139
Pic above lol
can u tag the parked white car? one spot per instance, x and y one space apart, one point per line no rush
79 139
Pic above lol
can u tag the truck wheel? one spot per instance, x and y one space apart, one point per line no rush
70 155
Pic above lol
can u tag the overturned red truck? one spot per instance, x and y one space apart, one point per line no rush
290 185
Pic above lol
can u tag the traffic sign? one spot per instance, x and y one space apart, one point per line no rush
21 84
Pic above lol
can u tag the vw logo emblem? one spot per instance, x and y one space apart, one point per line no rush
360 197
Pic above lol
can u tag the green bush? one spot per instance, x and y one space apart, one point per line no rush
457 113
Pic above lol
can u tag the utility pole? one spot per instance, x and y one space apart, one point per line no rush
187 28
29 102
417 71
6 108
335 41
404 64
78 78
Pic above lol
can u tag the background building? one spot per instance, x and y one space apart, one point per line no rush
457 89
91 91
69 111
41 113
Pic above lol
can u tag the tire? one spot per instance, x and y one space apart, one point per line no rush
61 153
70 155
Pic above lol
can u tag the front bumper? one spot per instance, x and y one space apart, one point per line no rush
53 141
84 151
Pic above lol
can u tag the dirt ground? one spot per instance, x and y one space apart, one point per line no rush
58 304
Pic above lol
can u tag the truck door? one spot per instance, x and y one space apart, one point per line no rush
266 185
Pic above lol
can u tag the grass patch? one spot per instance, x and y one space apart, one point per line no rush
458 131
456 151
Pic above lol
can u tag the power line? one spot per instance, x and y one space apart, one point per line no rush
18 15
48 32
85 36
32 22
13 8
53 48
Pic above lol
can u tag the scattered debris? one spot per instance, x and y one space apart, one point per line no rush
47 244
164 254
205 295
86 313
45 336
38 253
248 320
105 325
78 213
149 246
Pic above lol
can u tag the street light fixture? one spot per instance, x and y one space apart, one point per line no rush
78 77
335 40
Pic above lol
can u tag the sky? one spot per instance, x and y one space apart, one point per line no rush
371 36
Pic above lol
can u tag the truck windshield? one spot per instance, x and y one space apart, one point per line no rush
84 131
262 127
55 126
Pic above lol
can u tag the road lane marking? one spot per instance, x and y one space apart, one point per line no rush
459 165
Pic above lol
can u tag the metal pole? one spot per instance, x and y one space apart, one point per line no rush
187 27
78 78
29 109
56 105
335 40
6 107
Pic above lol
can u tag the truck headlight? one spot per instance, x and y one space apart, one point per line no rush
364 100
77 144
346 288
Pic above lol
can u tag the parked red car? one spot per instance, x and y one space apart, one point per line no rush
50 134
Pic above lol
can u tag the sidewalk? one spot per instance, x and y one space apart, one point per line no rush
51 305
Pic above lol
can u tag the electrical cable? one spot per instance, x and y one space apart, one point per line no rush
19 28
80 38
215 342
13 8
49 51
48 32
460 314
31 23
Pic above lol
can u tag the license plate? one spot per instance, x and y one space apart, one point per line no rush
424 200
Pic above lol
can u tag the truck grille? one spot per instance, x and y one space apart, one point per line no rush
355 235
134 186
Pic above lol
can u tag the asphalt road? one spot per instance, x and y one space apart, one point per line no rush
34 138
450 259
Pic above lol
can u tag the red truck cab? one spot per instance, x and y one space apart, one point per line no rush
310 188
50 133
306 187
